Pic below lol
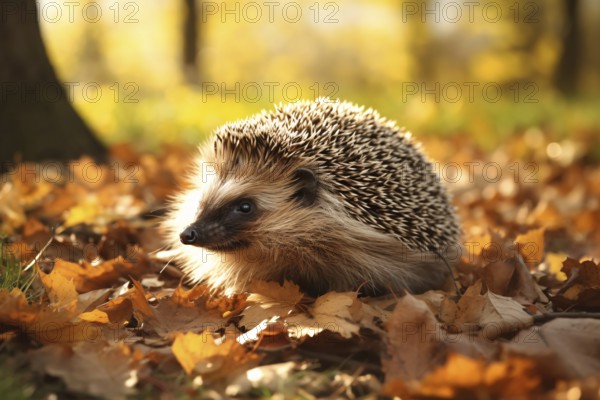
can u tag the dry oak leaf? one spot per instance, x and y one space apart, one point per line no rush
582 288
171 317
34 232
331 312
173 314
499 247
200 354
104 369
189 297
466 378
268 300
589 271
15 310
59 321
531 246
61 291
512 278
228 306
562 348
490 314
116 311
88 277
141 309
414 341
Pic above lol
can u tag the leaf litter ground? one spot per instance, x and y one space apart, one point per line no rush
91 305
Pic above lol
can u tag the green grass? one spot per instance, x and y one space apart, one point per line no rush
12 274
13 382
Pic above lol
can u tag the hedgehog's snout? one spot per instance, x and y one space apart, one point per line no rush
212 236
189 235
201 234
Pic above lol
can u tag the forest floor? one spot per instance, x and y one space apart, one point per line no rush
90 305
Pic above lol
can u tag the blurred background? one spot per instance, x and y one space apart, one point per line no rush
172 71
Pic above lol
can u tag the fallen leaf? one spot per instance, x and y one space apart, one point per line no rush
171 317
200 354
572 345
468 378
87 277
329 312
491 314
141 308
268 300
414 341
582 288
531 246
109 370
61 291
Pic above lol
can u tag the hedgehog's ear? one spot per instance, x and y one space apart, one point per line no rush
305 181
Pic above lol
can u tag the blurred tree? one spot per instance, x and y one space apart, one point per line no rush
190 42
569 67
37 122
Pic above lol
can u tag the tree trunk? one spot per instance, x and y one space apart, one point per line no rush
569 68
37 121
190 42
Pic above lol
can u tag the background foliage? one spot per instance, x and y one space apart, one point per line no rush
434 66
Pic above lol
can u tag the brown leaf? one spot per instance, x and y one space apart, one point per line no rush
589 271
118 310
108 370
467 378
270 300
512 278
531 246
34 230
58 322
414 344
15 310
189 297
172 317
288 292
562 348
61 291
228 306
582 288
200 354
493 314
88 277
331 312
141 308
497 276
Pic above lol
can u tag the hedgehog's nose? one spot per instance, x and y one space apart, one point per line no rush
189 235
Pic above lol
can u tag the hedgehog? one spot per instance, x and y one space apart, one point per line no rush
326 194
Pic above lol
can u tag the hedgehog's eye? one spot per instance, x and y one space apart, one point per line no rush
245 207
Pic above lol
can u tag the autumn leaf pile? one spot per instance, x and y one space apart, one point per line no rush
105 313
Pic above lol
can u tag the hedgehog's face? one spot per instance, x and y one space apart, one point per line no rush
221 228
252 208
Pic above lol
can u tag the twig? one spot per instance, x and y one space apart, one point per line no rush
368 367
541 318
39 255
